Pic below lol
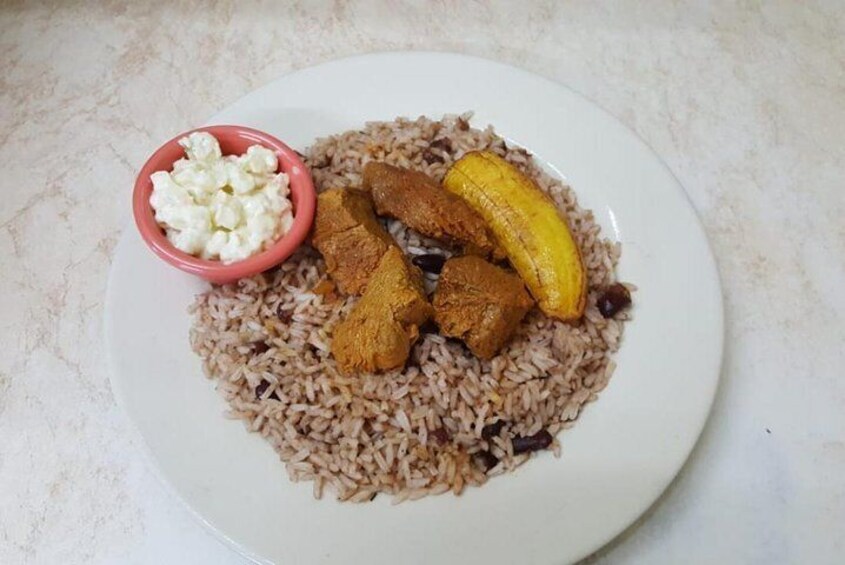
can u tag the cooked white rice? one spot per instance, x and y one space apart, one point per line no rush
409 433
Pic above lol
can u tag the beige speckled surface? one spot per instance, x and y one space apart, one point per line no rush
745 104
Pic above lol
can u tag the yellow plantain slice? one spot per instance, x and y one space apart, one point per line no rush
528 226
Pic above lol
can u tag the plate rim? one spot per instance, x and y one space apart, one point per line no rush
719 321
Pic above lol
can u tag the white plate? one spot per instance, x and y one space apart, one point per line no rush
622 453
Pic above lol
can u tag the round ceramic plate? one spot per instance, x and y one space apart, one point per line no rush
621 454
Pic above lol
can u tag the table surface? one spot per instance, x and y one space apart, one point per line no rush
745 104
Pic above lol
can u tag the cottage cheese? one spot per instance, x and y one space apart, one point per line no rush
222 208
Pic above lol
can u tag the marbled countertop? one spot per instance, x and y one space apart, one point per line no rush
745 104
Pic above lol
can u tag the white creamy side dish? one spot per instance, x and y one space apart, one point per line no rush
222 208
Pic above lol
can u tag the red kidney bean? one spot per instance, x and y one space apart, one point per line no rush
283 315
486 460
430 262
524 444
490 431
441 435
614 299
261 389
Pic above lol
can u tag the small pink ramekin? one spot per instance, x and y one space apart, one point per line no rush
234 140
